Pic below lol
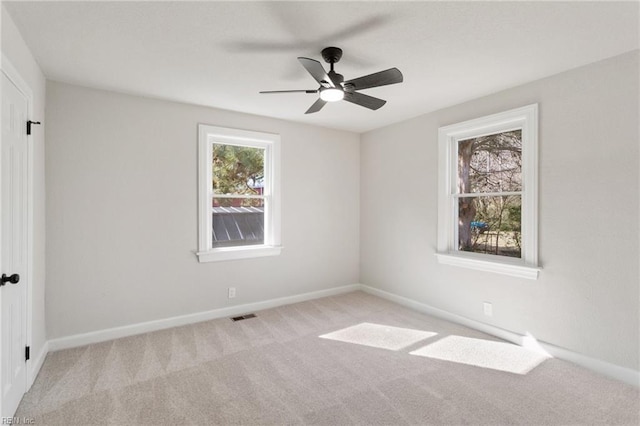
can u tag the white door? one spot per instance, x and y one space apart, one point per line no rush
13 248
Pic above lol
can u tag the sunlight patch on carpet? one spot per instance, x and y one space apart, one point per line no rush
483 353
379 336
531 343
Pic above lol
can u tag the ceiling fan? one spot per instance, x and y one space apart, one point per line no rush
333 87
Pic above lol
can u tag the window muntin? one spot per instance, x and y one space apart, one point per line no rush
239 197
487 203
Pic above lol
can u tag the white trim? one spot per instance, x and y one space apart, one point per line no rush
12 74
236 253
207 135
623 374
204 176
525 118
613 371
145 327
486 194
36 365
254 197
466 260
16 78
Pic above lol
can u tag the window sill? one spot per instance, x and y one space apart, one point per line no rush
511 267
235 253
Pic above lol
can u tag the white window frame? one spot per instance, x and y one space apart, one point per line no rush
525 118
207 136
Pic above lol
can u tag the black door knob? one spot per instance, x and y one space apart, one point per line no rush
13 279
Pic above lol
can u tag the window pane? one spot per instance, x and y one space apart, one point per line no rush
237 222
238 170
490 163
490 225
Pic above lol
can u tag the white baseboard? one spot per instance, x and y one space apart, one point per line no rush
613 371
35 364
623 374
145 327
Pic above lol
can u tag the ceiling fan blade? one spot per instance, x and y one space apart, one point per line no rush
289 91
382 78
316 70
317 106
364 100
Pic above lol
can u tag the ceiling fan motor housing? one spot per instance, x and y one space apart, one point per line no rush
335 77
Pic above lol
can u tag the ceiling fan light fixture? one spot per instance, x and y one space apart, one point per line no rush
331 95
333 88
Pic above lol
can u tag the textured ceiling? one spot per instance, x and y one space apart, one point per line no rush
221 54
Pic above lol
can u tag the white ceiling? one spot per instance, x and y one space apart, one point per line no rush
221 54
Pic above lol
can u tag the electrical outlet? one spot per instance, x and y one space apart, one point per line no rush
232 292
488 309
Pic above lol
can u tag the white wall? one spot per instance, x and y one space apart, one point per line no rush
17 52
121 221
122 212
587 297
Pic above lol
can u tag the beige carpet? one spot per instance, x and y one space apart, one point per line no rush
376 363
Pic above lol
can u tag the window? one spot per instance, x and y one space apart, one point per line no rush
239 208
487 217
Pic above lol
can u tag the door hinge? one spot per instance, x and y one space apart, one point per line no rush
29 123
26 353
